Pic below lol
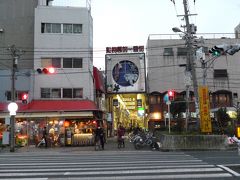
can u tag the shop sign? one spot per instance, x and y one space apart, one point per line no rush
109 117
115 102
124 49
238 132
125 73
205 119
139 102
7 120
5 139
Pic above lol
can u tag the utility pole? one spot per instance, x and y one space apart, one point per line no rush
190 56
15 53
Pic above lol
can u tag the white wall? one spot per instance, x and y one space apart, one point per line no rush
64 45
164 72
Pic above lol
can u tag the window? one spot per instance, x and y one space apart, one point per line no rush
168 52
72 28
235 95
77 93
72 62
56 28
153 100
50 28
220 73
181 51
67 62
50 93
67 28
53 62
57 93
45 93
77 28
67 93
77 63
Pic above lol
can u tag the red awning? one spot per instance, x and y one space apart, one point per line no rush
53 105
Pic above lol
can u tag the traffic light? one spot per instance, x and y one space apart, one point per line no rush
215 52
218 50
171 94
49 70
235 48
24 98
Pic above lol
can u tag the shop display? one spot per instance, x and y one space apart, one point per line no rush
82 132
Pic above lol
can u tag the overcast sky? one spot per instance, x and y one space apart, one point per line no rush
129 22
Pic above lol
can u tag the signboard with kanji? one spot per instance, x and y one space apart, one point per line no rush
205 119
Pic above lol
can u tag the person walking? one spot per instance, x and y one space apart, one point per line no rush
120 136
99 136
45 134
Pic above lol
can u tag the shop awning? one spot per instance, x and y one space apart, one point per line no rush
54 106
49 114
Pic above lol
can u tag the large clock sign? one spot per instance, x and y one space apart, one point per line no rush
125 73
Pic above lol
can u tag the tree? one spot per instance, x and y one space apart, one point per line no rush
178 106
222 119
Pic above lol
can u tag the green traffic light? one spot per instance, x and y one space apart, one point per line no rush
216 53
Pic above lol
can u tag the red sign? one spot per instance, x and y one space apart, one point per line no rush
124 49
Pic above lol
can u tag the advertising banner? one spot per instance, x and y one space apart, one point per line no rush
205 119
125 73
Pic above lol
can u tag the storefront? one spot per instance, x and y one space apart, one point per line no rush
64 127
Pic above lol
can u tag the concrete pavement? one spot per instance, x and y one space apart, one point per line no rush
111 145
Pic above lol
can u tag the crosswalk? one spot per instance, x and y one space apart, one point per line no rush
107 165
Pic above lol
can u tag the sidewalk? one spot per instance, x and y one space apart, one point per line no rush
111 145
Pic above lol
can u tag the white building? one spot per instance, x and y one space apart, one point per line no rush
63 39
65 101
165 54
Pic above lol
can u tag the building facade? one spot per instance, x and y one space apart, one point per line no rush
166 64
126 86
56 37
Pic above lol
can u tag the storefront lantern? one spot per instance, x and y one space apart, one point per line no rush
66 124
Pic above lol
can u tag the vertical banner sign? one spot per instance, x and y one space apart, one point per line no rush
205 119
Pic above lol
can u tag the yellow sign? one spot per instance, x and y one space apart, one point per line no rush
205 119
238 132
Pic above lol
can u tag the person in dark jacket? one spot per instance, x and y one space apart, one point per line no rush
45 134
99 135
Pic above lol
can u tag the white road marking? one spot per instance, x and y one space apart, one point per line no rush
229 170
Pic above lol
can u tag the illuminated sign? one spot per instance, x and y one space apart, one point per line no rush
124 49
238 132
205 119
130 103
125 73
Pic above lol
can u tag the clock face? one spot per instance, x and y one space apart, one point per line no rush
125 73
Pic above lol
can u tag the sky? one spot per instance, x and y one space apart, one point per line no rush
129 22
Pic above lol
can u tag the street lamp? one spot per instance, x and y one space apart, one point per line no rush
12 108
176 29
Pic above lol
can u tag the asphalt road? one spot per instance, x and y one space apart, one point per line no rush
228 159
109 165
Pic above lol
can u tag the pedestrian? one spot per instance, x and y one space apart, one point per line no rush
120 136
45 134
99 135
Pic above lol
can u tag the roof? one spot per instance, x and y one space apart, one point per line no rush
53 105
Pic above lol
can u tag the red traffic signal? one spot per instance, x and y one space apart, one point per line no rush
24 98
48 70
171 94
